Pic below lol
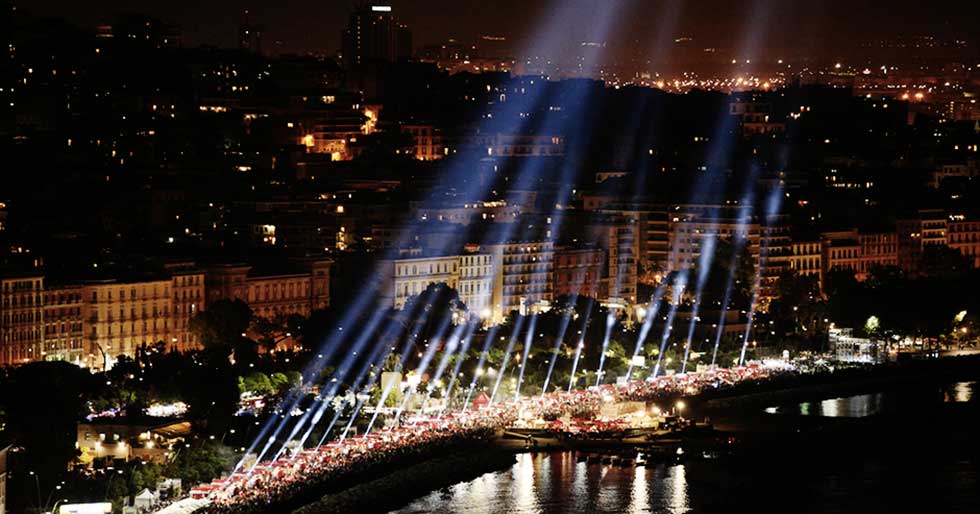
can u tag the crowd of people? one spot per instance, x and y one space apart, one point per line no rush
693 384
584 404
267 485
271 484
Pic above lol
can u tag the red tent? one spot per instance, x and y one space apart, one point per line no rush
481 400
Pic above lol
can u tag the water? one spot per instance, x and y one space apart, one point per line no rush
893 451
888 402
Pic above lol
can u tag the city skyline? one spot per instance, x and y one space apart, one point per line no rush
822 30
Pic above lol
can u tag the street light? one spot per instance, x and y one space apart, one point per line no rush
46 502
54 510
37 483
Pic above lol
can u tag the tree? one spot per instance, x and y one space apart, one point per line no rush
871 326
436 297
210 388
617 359
392 400
799 311
281 382
273 331
965 329
944 262
43 401
847 299
196 462
145 476
257 383
222 324
885 277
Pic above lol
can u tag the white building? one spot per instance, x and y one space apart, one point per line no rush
476 283
407 277
847 348
523 274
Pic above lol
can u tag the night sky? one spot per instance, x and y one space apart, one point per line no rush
301 25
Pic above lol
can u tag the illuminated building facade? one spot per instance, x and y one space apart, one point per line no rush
122 315
928 228
688 233
330 123
476 283
497 211
578 271
617 237
408 277
427 142
964 235
471 275
878 249
91 323
303 288
848 348
188 288
774 254
842 251
21 318
755 116
524 280
858 252
115 439
63 324
652 242
806 259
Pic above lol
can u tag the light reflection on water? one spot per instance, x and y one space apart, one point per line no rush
640 495
863 405
857 406
829 478
555 483
524 483
960 392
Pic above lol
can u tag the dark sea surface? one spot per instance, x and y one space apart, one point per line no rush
913 449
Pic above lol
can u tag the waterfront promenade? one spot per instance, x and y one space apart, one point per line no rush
614 414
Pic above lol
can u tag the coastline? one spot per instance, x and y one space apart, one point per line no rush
739 411
404 485
742 412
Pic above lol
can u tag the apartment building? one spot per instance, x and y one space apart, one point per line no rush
963 235
806 259
523 275
578 271
404 278
21 318
121 315
92 322
63 324
297 287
